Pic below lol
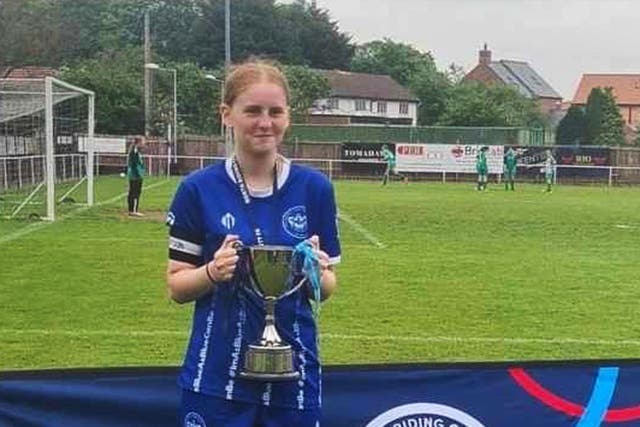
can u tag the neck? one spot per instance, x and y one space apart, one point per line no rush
257 171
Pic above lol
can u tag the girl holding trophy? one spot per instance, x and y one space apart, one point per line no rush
255 198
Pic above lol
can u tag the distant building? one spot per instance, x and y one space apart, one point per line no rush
360 98
519 75
625 88
27 72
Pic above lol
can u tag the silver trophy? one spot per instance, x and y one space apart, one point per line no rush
273 273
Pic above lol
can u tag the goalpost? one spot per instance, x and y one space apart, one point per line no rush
46 147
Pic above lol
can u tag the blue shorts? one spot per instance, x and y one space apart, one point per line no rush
201 410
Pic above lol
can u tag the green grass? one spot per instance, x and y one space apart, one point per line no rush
430 272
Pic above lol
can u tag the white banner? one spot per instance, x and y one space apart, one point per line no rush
445 157
104 144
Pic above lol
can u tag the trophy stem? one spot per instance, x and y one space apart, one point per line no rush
270 336
270 359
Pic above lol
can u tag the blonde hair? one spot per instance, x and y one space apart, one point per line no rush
251 72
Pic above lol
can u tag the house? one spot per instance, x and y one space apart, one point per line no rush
26 72
360 98
625 88
518 74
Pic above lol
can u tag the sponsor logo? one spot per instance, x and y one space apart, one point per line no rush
411 150
193 419
171 219
228 221
424 415
457 151
294 222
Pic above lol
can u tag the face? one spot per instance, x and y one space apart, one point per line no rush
259 117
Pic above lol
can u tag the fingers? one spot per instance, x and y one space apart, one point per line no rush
323 257
223 264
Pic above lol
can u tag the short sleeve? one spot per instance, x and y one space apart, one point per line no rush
184 219
328 233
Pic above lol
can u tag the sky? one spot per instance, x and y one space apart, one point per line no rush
560 39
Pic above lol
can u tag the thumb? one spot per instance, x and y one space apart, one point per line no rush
229 239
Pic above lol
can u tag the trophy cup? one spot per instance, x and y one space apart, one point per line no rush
273 273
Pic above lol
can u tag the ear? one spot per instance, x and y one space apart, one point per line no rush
225 114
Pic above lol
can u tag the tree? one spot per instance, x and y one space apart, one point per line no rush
411 68
612 130
477 104
306 86
604 124
571 129
117 79
29 32
311 38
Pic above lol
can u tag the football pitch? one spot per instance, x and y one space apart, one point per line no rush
430 272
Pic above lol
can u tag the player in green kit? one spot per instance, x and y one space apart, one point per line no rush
549 170
390 158
509 167
482 168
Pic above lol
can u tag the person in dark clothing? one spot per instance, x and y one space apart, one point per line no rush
135 175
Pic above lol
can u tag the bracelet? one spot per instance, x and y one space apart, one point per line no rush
206 268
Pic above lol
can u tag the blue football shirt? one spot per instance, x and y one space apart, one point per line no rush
207 206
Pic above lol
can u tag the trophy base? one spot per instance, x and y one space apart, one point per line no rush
269 363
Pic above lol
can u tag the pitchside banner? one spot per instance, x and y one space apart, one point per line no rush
563 394
446 157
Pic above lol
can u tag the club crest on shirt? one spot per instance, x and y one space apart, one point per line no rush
171 219
193 419
294 222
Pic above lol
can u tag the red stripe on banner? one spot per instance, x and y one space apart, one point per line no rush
542 394
625 414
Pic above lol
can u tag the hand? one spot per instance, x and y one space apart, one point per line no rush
323 258
223 264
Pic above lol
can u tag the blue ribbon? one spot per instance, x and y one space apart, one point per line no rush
310 270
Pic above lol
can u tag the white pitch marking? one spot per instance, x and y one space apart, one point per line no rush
625 226
38 225
359 228
489 340
382 338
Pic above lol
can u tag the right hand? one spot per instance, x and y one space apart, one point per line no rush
224 261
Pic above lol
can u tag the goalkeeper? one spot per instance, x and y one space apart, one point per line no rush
482 168
390 158
509 167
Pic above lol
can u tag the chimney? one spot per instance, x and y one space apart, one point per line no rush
485 56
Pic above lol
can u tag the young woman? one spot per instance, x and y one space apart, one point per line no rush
257 197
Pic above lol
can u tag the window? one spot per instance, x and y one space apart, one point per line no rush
404 108
361 105
382 107
333 103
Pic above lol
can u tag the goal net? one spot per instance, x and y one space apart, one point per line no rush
46 148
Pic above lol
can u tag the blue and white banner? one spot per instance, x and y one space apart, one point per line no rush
554 394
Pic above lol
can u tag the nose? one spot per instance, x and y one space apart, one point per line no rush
264 121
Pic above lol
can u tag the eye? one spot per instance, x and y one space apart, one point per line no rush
276 111
253 110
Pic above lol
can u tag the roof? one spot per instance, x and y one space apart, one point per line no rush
346 84
524 78
27 72
626 87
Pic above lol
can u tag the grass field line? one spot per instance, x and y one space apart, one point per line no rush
360 229
481 340
342 337
38 225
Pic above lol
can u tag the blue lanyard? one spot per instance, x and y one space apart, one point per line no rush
246 198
